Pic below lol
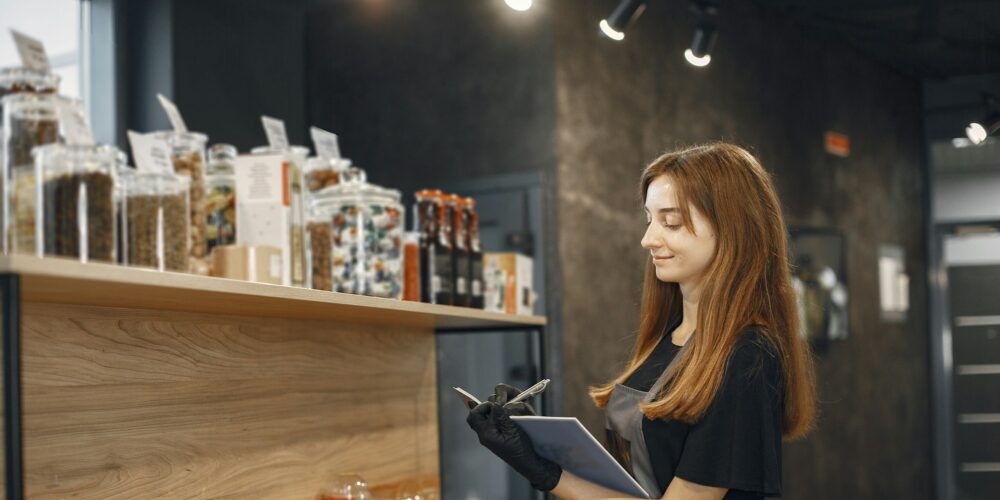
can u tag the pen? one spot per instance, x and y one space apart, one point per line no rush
529 392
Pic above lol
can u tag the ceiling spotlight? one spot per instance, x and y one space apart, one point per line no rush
519 5
627 11
701 44
977 132
695 60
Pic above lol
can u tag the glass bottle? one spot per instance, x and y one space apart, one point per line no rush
425 222
476 298
460 251
444 252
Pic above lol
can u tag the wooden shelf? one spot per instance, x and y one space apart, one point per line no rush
63 281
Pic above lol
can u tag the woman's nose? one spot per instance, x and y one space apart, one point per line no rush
649 240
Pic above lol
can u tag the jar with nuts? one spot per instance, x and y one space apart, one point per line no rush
188 157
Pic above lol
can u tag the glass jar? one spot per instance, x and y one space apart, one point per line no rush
364 224
123 173
220 202
156 214
29 120
322 173
75 185
295 158
16 80
187 153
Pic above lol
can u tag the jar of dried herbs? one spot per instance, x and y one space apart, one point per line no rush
155 208
29 120
188 157
75 185
220 202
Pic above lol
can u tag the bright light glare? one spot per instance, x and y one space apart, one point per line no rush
976 133
610 32
519 5
697 61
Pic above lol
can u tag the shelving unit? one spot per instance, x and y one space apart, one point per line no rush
129 383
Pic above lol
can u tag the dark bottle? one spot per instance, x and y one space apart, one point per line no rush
460 243
444 255
426 215
476 299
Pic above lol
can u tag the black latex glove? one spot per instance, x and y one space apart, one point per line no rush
503 393
498 433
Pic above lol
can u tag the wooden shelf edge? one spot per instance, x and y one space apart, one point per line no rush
57 280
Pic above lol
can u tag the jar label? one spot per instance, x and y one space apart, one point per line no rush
325 142
173 114
274 128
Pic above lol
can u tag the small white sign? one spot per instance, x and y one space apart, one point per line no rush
275 130
173 114
74 124
32 51
151 154
327 145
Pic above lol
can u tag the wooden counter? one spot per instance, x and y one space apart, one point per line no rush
139 384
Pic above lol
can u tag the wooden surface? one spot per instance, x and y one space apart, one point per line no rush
133 403
54 280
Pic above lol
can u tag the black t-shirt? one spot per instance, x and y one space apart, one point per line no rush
737 443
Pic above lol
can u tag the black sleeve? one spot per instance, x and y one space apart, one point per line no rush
737 443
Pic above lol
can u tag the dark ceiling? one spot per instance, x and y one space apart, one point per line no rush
931 39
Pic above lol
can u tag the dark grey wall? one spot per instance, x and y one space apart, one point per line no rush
422 92
775 89
223 62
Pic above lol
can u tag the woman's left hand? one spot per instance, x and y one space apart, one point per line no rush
498 433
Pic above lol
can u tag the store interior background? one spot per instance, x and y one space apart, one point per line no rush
538 110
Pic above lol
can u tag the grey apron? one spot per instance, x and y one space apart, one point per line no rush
623 422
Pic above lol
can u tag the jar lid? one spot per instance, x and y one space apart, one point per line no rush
32 79
222 150
268 150
76 157
175 138
354 187
146 183
319 163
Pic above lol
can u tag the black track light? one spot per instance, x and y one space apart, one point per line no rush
701 45
627 11
978 131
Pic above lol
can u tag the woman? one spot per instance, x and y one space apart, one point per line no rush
718 374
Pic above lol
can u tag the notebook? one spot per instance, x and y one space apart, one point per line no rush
565 441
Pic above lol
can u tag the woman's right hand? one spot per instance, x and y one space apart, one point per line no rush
499 434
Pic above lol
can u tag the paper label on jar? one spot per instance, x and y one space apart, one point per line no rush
151 154
277 138
327 145
460 285
173 114
32 51
477 288
73 120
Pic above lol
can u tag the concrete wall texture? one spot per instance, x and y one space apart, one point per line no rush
774 89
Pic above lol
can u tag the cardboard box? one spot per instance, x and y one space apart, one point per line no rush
259 263
268 212
508 280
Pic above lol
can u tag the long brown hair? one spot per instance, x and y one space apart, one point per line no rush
747 284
